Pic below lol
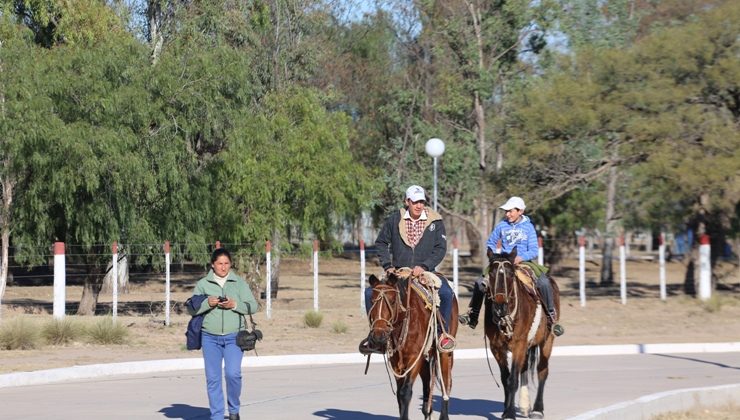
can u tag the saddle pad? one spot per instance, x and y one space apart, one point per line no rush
525 275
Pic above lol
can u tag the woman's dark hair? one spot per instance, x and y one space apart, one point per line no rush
219 252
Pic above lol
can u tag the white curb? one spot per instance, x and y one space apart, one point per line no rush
154 366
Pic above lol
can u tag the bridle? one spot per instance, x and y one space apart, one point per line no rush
394 307
497 276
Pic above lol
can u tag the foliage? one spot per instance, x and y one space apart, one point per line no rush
105 331
312 319
18 334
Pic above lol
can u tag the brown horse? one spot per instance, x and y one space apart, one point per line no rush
402 322
516 322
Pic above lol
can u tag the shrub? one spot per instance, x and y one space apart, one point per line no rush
339 327
105 331
313 319
19 334
61 331
714 304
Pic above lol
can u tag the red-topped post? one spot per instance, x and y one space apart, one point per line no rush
363 310
60 281
582 268
622 270
661 265
316 275
167 283
540 251
114 280
268 279
705 268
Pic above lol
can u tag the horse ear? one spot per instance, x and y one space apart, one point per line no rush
392 278
373 280
489 253
512 256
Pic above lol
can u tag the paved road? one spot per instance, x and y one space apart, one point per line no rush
342 392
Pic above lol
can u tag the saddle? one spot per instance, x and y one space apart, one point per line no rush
423 285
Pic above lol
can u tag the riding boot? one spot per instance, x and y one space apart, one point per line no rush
545 289
471 317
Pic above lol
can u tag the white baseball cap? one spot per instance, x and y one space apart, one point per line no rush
514 203
415 193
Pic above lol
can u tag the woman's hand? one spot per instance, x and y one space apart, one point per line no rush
229 303
212 301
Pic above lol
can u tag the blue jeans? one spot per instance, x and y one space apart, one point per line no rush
215 349
445 300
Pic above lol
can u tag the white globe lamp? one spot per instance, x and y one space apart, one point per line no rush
434 148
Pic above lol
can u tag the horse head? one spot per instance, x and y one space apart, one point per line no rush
501 276
386 305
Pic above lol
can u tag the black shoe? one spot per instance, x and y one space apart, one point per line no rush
365 348
234 416
468 319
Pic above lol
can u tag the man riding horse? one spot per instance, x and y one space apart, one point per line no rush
414 237
515 231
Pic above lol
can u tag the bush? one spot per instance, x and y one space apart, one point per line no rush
19 334
713 304
313 319
105 331
57 332
339 327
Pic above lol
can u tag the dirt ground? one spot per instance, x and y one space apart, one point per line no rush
603 320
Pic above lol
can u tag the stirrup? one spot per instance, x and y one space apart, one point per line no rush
558 330
468 319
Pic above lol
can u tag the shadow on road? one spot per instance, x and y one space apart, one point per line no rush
337 414
185 412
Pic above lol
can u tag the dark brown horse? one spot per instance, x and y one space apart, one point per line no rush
516 322
402 322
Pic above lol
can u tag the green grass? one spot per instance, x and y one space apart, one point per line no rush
312 319
713 304
19 334
105 331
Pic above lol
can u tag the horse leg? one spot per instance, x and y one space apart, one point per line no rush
503 366
517 362
403 395
543 370
446 362
427 383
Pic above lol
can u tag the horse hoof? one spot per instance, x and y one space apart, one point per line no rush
537 415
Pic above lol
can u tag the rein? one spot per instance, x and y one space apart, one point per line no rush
506 320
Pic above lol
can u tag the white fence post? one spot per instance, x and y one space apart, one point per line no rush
661 265
316 275
362 278
582 269
268 279
167 283
60 281
622 271
705 268
540 251
455 265
114 274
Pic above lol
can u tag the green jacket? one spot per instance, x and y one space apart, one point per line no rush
224 321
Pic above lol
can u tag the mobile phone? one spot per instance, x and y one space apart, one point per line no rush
222 299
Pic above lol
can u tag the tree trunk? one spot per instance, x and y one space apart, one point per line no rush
607 271
154 16
90 291
275 264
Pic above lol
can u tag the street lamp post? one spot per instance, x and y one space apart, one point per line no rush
434 148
